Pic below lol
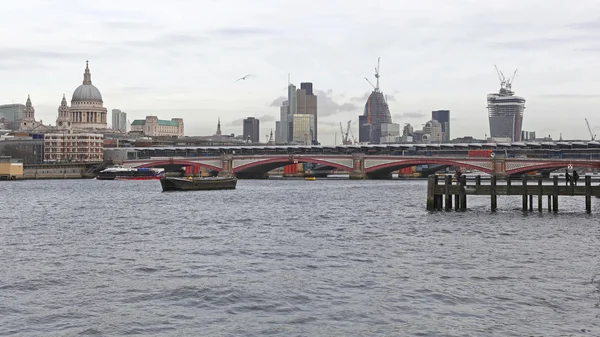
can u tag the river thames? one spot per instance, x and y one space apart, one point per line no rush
290 258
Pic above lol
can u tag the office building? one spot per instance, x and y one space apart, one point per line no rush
307 104
154 127
251 130
12 114
443 116
119 120
303 132
79 147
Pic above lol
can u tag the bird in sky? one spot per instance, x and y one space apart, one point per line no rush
244 77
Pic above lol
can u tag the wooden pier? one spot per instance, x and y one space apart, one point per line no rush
441 196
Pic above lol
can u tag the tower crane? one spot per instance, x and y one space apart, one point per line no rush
590 130
345 140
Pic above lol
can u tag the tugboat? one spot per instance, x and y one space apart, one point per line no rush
122 173
197 183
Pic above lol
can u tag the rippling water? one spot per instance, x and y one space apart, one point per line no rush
290 258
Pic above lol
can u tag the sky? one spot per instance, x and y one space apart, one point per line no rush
181 58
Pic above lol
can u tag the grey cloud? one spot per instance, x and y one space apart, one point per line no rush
328 107
278 101
236 122
362 98
365 96
266 118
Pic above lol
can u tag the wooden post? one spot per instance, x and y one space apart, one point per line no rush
477 183
430 192
435 197
447 185
463 196
531 202
549 203
588 194
555 195
493 199
508 184
524 193
540 193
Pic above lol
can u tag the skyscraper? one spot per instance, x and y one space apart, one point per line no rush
292 110
251 130
376 112
119 120
505 111
443 116
307 104
284 125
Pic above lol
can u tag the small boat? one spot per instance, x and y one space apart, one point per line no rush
197 183
124 173
310 178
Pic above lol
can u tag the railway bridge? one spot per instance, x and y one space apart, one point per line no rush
358 165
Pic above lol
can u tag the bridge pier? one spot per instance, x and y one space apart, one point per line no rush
358 166
226 166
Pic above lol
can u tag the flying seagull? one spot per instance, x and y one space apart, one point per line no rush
243 78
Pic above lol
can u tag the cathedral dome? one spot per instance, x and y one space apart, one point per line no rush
86 91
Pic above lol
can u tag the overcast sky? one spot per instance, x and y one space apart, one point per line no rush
180 58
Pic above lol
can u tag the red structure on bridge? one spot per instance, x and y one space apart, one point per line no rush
358 165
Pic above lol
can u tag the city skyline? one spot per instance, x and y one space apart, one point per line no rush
176 61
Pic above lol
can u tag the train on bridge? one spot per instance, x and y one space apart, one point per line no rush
545 150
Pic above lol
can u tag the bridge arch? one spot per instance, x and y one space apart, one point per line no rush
390 167
268 164
552 166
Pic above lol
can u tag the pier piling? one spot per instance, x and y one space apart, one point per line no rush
431 182
540 202
524 179
555 195
447 184
463 196
493 197
588 194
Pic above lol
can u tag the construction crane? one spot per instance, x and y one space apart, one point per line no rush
375 87
590 130
345 140
505 83
354 141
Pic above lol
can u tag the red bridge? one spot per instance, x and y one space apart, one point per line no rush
358 165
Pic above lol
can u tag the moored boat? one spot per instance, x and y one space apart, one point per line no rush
123 173
198 184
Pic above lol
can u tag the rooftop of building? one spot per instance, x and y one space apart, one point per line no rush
161 122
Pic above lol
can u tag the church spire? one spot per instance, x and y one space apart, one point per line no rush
219 127
87 76
64 101
29 112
